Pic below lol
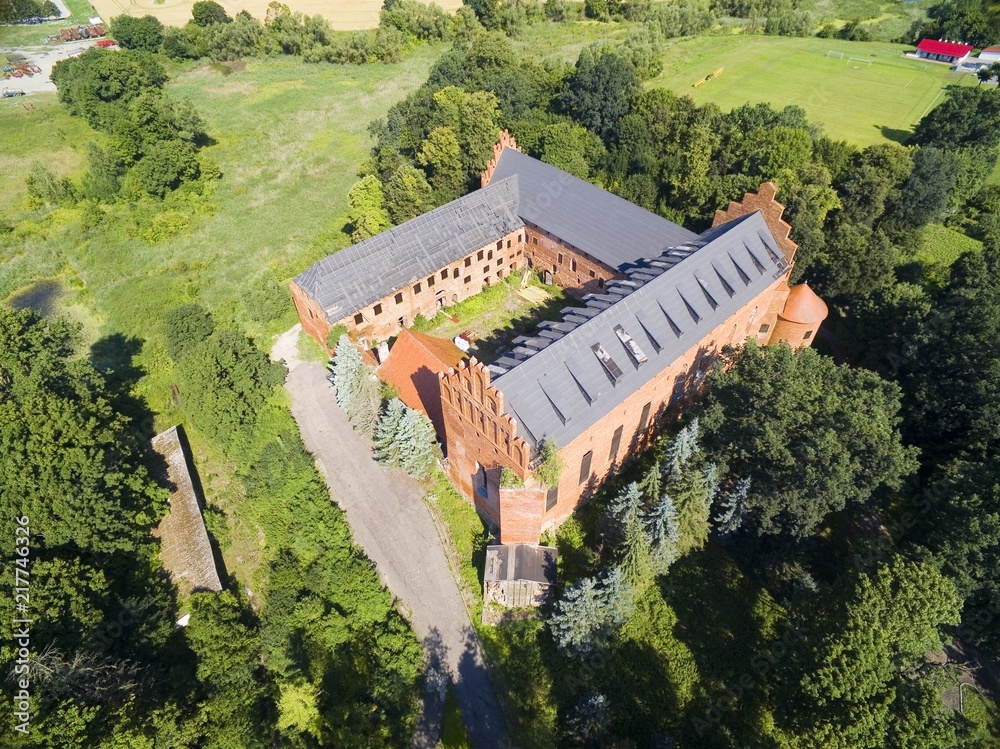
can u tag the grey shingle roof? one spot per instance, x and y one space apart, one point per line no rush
601 224
362 274
521 562
556 384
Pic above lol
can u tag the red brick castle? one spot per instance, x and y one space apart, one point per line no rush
660 302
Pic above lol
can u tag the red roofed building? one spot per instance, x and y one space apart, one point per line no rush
412 369
941 51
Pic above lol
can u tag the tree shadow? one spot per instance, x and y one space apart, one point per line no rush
114 357
481 714
895 135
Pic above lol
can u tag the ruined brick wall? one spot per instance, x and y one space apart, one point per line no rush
571 268
481 438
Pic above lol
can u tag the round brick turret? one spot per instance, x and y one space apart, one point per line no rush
800 318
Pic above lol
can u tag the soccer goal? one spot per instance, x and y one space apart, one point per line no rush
865 60
838 55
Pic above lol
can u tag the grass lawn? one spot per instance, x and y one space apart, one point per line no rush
48 134
939 244
22 35
850 100
563 41
289 139
497 316
453 734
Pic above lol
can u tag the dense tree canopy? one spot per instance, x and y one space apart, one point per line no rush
812 436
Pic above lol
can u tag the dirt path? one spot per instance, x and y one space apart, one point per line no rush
391 523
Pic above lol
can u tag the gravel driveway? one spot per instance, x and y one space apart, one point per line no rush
389 520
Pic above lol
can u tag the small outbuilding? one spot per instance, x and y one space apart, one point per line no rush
412 368
943 51
990 55
519 575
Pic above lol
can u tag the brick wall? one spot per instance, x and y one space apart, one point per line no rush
311 315
666 394
481 438
571 268
453 283
521 515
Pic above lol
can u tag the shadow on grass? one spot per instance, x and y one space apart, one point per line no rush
895 135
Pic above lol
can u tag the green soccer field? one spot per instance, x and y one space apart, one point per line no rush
852 101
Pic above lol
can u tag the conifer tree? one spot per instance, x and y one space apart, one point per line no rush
387 448
731 509
589 613
662 527
418 445
346 370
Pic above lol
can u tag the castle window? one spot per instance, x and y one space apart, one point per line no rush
468 261
644 419
499 261
506 443
444 275
534 240
552 497
573 265
311 315
600 283
765 327
454 273
486 269
808 335
467 279
489 255
616 443
430 280
508 244
559 258
416 289
593 275
378 309
479 255
499 245
399 298
359 318
585 467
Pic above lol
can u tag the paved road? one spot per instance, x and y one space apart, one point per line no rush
389 520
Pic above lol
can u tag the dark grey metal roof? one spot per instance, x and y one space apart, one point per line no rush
605 226
521 562
560 383
362 274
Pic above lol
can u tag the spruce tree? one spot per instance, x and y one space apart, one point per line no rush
417 444
346 370
387 448
731 509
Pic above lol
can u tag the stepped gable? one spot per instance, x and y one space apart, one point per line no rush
608 228
562 380
370 270
764 200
